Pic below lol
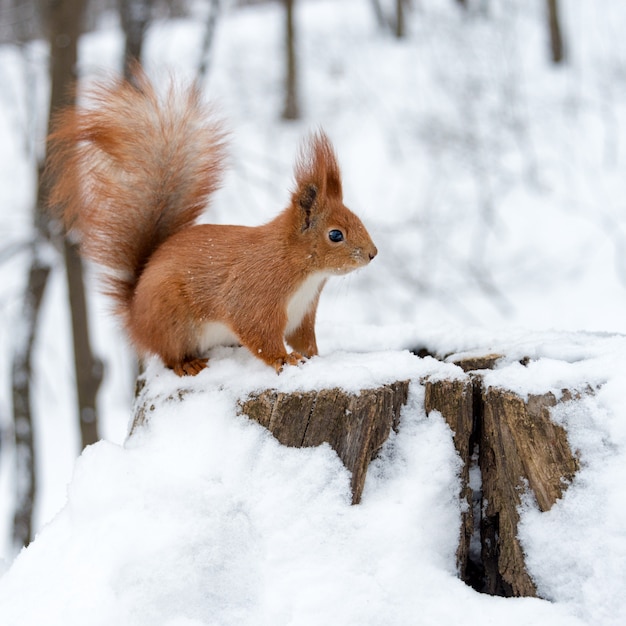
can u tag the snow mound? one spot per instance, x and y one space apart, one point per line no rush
202 518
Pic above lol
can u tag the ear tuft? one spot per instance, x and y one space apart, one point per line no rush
317 165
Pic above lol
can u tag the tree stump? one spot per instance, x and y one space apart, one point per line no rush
508 445
354 425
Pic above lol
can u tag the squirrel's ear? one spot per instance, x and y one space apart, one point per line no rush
317 166
306 199
317 178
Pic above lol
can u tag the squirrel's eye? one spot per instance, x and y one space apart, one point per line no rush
335 236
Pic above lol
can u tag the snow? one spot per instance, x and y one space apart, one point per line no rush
366 371
492 184
203 518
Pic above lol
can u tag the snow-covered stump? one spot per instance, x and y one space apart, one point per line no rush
349 401
509 446
354 425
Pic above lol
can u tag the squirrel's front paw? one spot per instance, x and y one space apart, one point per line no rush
190 367
295 358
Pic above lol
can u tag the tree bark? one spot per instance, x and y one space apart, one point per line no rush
522 450
454 399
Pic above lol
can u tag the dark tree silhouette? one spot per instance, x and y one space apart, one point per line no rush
64 23
400 30
291 110
135 17
557 48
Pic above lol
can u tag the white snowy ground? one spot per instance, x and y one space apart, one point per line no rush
203 518
494 187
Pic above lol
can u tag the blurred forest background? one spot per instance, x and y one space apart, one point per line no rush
482 142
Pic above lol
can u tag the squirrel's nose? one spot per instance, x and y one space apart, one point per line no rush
373 252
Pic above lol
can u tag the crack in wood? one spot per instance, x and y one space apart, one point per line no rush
520 449
308 421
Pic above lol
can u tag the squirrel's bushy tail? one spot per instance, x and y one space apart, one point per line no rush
130 168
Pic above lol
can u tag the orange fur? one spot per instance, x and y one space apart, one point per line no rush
131 172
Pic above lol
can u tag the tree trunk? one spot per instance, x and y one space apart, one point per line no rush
21 377
65 23
379 14
89 369
21 365
135 16
207 41
454 399
556 39
521 450
400 22
64 20
291 110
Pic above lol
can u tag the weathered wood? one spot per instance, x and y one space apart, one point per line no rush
521 449
354 425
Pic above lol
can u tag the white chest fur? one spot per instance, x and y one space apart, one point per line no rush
217 334
220 334
301 300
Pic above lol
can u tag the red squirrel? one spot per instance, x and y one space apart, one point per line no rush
131 171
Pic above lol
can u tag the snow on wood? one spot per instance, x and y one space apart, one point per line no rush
517 447
355 425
